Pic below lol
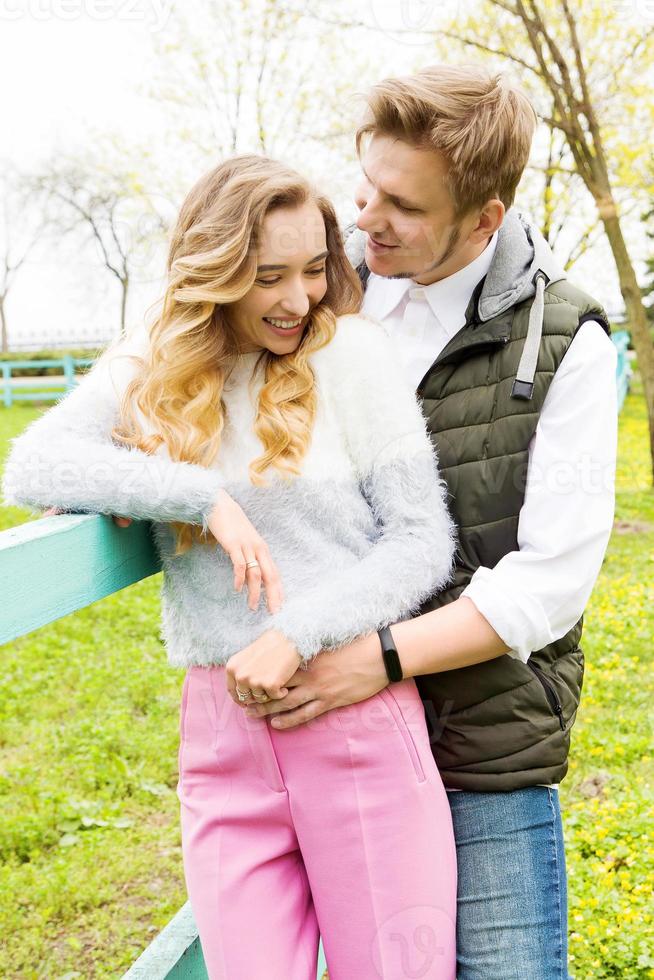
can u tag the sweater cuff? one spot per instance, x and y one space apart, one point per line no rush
306 641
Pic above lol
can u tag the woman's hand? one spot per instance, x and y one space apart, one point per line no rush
263 667
240 539
120 521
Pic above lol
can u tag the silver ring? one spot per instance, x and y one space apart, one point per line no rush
243 695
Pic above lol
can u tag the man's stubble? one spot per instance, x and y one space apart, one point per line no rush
450 248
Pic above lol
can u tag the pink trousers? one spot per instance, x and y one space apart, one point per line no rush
339 828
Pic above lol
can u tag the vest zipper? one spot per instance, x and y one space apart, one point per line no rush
550 693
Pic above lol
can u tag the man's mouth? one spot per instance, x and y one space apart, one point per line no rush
379 246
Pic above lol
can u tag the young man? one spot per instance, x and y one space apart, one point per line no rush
515 370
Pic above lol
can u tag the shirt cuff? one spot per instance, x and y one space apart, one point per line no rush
518 619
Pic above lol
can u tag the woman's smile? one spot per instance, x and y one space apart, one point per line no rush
284 326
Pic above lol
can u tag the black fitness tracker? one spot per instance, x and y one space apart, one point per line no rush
390 655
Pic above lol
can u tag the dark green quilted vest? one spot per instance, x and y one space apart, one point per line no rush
504 724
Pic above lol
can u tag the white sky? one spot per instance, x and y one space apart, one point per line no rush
67 65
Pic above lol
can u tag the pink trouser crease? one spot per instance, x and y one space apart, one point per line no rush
339 828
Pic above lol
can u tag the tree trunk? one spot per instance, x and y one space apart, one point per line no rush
636 313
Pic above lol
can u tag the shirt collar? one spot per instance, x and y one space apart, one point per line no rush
448 298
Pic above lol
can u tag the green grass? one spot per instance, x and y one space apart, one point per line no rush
91 860
89 837
607 797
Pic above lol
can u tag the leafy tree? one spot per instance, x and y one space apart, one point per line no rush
598 103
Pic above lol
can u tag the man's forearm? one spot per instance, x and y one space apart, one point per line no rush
455 635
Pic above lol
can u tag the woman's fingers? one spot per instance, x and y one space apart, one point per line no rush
264 574
120 521
253 578
272 582
242 574
238 561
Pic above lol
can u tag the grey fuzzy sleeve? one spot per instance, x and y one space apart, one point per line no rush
410 561
67 459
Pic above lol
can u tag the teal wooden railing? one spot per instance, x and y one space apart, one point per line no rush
623 371
51 567
25 392
54 566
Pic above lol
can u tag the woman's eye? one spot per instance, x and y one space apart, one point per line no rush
267 282
408 210
316 272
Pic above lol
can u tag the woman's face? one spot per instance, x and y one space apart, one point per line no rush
290 281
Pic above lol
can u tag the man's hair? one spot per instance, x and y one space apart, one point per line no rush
482 124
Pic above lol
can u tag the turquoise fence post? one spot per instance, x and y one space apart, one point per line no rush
6 380
69 371
623 371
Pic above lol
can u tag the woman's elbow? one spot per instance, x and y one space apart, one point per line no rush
25 476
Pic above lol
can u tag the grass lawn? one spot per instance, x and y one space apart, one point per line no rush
91 860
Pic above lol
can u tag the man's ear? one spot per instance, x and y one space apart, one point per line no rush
490 219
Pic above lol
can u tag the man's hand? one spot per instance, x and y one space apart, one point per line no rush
120 521
333 679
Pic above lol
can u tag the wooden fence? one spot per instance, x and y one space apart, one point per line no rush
21 389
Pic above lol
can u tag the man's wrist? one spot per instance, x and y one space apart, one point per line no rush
390 655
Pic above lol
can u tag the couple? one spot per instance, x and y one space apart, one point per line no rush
365 457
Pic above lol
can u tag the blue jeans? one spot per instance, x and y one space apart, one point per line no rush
512 917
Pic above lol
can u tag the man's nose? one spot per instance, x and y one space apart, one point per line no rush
370 219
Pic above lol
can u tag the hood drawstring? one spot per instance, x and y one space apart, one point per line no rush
523 385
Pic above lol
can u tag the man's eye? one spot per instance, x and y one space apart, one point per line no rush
266 282
408 210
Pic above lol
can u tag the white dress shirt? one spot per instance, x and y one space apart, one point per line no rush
535 594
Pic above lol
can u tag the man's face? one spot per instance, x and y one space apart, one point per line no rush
408 214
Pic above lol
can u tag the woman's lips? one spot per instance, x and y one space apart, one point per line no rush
379 247
290 332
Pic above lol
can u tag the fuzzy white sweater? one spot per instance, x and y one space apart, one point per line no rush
361 538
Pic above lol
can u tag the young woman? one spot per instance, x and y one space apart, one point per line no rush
262 426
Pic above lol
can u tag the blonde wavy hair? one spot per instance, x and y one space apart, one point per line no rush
212 262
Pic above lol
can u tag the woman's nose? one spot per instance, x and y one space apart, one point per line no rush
297 302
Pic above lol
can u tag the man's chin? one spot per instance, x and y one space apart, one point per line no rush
386 265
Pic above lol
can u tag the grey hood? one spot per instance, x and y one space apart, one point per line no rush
521 252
